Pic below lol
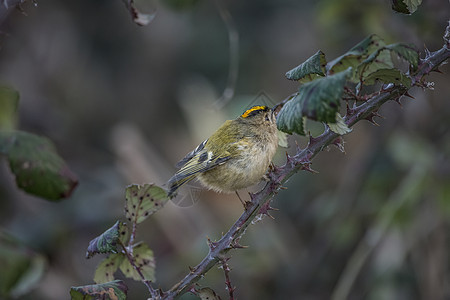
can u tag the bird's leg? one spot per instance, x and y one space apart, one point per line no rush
246 204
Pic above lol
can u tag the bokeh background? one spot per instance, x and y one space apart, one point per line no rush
124 103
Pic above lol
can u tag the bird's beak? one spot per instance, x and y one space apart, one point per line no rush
276 109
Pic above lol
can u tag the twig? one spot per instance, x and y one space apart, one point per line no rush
226 271
301 161
154 293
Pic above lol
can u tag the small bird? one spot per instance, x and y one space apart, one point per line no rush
236 156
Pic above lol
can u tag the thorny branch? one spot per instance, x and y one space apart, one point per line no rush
260 202
226 271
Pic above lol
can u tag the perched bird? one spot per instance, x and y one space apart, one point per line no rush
236 156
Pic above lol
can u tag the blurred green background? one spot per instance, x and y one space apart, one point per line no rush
124 103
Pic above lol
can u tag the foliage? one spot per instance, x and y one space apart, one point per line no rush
322 84
22 268
319 98
338 93
114 290
135 260
38 169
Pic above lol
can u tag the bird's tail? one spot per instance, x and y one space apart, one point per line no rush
175 182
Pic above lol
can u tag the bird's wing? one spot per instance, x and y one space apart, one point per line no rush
198 161
201 162
191 154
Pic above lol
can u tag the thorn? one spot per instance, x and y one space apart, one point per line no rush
339 143
297 147
225 260
371 120
212 245
427 52
283 188
307 167
289 159
265 208
408 95
312 140
437 70
161 293
350 111
236 245
376 114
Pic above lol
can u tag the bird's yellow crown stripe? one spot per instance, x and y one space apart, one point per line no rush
254 108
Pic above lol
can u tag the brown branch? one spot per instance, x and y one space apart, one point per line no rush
226 271
260 203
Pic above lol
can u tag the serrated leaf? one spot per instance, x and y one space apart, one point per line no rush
379 59
405 6
318 100
388 76
38 169
107 241
339 126
291 120
356 55
144 260
9 101
114 290
20 267
406 52
143 201
312 68
282 139
107 267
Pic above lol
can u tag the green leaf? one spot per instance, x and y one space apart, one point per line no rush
405 6
207 293
39 170
380 59
114 290
318 100
282 139
107 267
107 241
9 101
311 69
356 55
143 201
388 76
406 52
339 126
144 260
20 267
291 120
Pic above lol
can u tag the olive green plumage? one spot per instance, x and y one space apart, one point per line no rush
236 156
